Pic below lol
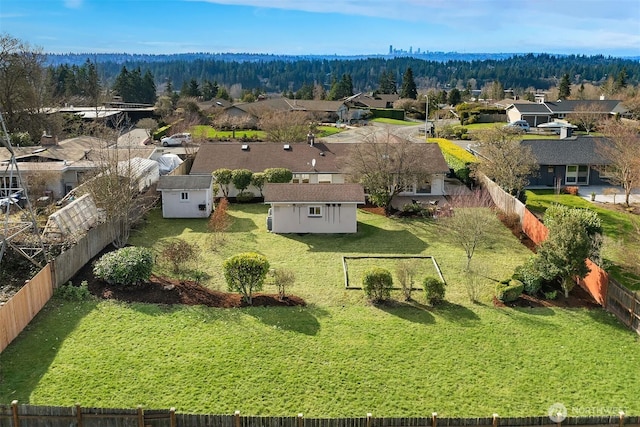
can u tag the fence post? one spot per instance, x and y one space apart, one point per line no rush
434 419
237 418
14 411
300 420
140 416
621 424
368 419
496 420
172 417
79 414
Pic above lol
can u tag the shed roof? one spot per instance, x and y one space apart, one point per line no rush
313 193
184 182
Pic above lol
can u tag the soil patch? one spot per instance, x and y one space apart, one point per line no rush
578 298
373 209
161 290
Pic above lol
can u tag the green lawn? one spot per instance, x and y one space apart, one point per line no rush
339 356
617 227
208 132
396 122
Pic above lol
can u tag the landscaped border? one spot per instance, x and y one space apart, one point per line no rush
345 269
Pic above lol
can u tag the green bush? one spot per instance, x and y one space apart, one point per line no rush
245 197
509 290
377 283
278 175
551 295
70 292
178 253
434 289
245 273
128 267
530 277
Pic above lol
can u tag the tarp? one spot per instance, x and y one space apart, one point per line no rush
168 162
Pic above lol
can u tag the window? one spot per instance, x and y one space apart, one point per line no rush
299 178
315 211
424 187
324 178
184 196
577 174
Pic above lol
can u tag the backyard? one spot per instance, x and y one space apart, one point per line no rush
336 356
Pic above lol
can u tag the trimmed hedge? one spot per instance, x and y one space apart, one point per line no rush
434 290
509 290
377 283
387 113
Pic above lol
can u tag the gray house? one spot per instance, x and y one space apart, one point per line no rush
569 161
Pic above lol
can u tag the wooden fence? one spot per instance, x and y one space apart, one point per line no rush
625 304
22 307
615 298
15 415
16 313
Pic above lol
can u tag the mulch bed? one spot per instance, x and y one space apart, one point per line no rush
578 298
161 290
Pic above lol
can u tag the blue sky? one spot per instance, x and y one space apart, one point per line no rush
342 27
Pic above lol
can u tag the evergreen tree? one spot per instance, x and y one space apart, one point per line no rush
454 97
341 88
621 81
387 84
564 89
409 89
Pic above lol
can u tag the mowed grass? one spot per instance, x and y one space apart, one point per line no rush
617 226
395 122
338 356
209 132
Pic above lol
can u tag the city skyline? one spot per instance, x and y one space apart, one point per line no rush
314 27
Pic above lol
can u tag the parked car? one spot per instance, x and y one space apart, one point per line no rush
522 125
176 139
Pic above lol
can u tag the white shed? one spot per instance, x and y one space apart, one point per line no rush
186 196
313 208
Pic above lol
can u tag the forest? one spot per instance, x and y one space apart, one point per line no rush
276 74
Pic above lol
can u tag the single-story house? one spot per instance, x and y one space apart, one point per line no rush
309 208
322 111
543 112
570 161
320 163
186 196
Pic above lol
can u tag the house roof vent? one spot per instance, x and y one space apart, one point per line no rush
245 147
287 147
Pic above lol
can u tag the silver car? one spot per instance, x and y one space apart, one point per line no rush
177 139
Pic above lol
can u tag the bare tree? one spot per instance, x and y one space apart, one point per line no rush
385 164
116 186
587 115
291 126
468 222
621 149
504 159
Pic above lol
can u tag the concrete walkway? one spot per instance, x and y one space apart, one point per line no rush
604 194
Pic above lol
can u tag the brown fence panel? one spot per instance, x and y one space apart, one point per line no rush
596 282
624 304
16 313
532 227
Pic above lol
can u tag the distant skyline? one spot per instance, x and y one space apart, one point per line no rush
325 27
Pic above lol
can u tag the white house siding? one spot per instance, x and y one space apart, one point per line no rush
335 218
437 188
173 206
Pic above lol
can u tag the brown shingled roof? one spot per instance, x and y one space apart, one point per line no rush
261 156
314 193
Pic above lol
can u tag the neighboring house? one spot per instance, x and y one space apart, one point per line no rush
569 161
360 104
322 111
309 208
543 112
54 170
322 163
186 196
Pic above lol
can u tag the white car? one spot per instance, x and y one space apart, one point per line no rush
177 139
521 125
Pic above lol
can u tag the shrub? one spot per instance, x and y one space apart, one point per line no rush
530 277
434 289
283 279
220 221
278 175
405 271
129 267
245 197
509 290
241 178
70 292
245 273
551 295
377 283
179 252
